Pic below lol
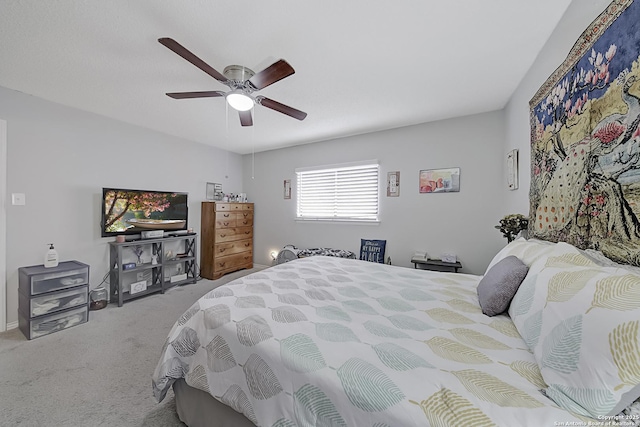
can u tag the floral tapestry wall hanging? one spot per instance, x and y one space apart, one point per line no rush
585 141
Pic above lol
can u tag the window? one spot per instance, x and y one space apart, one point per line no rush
347 192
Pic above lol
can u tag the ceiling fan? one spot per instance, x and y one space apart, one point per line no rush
242 83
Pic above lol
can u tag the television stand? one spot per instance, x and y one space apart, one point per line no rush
148 277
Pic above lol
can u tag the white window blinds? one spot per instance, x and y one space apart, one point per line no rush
340 193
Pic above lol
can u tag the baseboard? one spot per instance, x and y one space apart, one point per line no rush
12 325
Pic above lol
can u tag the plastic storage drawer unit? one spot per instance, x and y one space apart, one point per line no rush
38 279
44 325
52 299
52 302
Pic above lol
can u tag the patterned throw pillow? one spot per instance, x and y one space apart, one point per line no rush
581 320
499 285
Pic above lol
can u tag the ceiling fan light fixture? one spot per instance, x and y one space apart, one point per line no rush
239 100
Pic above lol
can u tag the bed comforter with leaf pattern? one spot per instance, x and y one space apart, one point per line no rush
325 341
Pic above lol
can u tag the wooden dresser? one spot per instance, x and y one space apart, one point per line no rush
226 238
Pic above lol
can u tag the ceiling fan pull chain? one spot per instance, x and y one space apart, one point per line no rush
253 151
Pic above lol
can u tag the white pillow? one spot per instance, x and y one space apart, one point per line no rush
527 250
581 320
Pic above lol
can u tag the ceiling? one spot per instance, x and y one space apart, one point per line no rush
361 65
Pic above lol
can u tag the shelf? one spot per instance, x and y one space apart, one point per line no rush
150 290
142 267
178 260
437 265
188 280
120 253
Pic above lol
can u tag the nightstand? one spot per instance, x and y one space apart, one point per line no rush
436 265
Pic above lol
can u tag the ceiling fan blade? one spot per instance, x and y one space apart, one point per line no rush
245 118
186 54
203 94
281 108
274 72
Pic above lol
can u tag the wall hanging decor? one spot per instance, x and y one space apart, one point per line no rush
287 188
393 184
512 169
440 180
585 153
214 191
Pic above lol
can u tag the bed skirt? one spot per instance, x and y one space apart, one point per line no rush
197 408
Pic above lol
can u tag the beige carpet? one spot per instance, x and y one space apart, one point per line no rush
97 373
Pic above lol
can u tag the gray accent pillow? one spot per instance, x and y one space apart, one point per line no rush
500 284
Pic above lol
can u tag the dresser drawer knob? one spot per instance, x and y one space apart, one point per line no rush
223 235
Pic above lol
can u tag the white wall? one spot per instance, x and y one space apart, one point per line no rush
576 19
61 158
459 222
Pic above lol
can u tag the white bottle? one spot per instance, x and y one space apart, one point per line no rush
51 257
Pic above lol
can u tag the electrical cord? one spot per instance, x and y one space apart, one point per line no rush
104 280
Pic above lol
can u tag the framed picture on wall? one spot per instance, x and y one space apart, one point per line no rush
393 184
287 188
214 191
440 180
211 191
512 169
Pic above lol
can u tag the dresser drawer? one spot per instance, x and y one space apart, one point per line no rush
44 325
230 248
229 207
37 279
231 234
244 219
233 262
225 219
233 207
54 302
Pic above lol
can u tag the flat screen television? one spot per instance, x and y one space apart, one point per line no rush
133 211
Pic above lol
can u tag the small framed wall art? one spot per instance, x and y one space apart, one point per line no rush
287 189
214 191
440 180
393 184
512 169
211 191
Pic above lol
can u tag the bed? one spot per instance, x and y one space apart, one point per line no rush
326 341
